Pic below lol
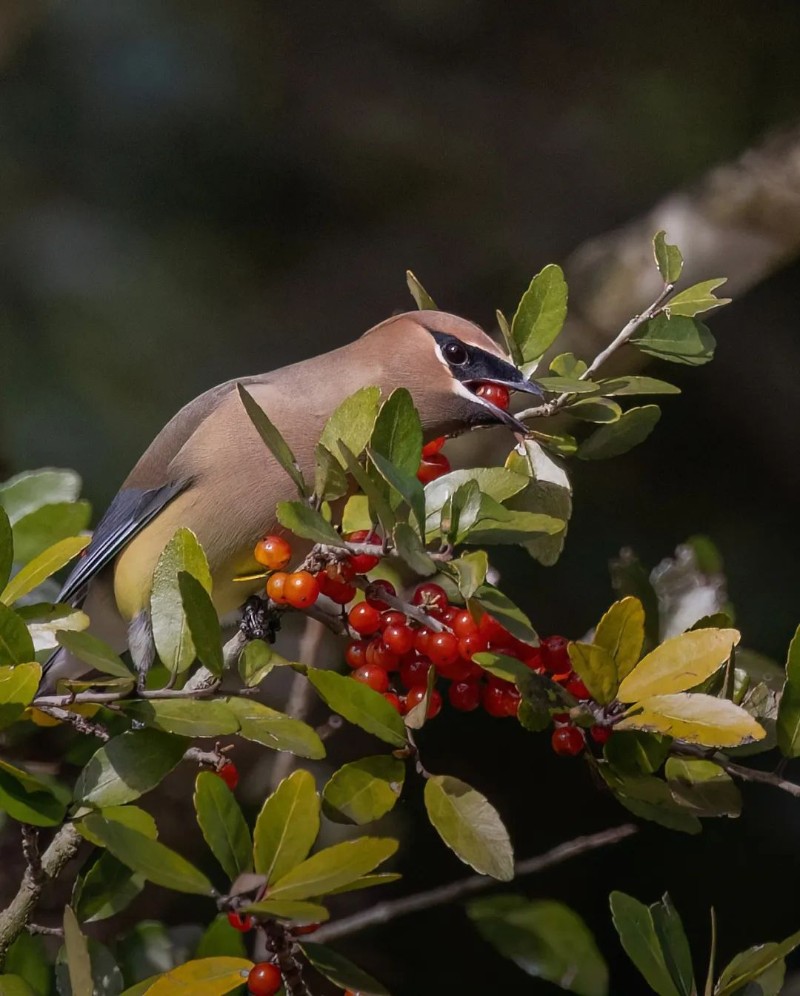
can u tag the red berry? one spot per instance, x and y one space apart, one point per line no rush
600 734
301 590
391 617
373 676
337 590
309 928
533 659
471 644
363 562
577 688
415 671
399 639
495 394
567 741
433 446
240 921
554 654
511 699
374 594
421 638
364 619
430 597
443 649
264 979
465 695
379 655
394 701
433 467
229 773
273 552
493 700
417 694
276 584
356 654
462 623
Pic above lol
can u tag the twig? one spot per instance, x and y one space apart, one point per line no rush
14 918
81 723
280 943
384 912
38 928
738 770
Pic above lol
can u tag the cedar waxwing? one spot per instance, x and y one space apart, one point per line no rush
209 470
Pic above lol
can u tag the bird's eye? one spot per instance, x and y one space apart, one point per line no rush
455 353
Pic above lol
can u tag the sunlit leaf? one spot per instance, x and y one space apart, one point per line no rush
186 717
77 951
202 977
421 297
42 567
360 705
222 824
18 685
262 725
490 599
695 718
352 423
679 663
621 634
297 911
619 386
287 826
333 867
668 258
304 521
696 299
40 529
597 670
677 339
540 314
26 492
364 790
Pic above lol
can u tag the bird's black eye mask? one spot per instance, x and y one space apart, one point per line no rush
472 365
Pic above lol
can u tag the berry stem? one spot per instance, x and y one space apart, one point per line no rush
280 944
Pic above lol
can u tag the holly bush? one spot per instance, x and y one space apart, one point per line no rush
387 548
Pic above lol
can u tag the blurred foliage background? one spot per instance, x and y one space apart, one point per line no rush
193 191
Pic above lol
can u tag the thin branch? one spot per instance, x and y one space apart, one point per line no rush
736 770
81 723
385 912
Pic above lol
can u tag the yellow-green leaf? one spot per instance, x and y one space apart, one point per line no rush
695 718
703 787
222 824
621 633
364 790
77 949
421 297
203 977
287 826
596 668
679 663
541 312
700 297
18 686
352 423
333 867
360 705
668 258
42 567
295 910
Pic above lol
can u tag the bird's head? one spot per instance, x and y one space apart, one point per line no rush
442 360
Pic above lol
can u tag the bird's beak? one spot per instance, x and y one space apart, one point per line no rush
506 375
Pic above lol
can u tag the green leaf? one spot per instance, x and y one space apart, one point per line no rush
220 938
561 443
512 348
496 482
675 945
106 889
367 882
202 977
502 526
352 423
97 654
274 729
341 972
470 826
295 910
330 481
634 922
77 951
412 551
501 608
287 826
548 491
356 515
421 297
18 686
601 410
222 824
621 634
566 385
360 705
29 799
6 549
693 300
170 628
637 753
668 258
364 790
256 661
307 523
788 727
703 787
568 365
469 570
26 492
597 670
546 939
402 484
540 314
53 619
186 717
752 965
16 646
132 817
632 428
203 622
333 867
649 798
27 959
150 858
617 387
380 508
680 663
397 434
503 667
695 718
677 339
14 985
273 440
42 567
128 766
38 530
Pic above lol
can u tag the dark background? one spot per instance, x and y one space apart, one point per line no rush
195 190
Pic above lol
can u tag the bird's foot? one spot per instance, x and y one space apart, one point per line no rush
258 621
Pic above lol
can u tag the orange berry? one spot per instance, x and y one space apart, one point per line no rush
301 589
276 584
273 552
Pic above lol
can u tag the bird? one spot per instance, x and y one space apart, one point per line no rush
209 470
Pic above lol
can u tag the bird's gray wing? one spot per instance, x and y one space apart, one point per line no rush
128 514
